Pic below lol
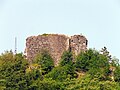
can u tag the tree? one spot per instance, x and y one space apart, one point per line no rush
117 73
48 84
106 53
32 77
45 61
83 60
93 68
6 57
66 58
14 72
58 74
93 62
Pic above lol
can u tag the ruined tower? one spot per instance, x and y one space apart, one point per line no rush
56 44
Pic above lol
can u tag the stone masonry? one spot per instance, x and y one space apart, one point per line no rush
56 44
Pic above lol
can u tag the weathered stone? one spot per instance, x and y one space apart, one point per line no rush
56 44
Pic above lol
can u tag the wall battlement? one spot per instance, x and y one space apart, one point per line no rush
56 44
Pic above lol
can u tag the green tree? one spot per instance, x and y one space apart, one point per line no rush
14 72
32 77
45 61
66 58
6 57
117 73
106 53
58 74
83 60
93 62
49 84
94 70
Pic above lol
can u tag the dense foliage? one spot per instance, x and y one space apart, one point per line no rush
94 63
90 70
45 61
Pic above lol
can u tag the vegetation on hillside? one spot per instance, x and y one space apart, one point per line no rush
90 70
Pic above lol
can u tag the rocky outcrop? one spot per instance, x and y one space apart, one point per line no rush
55 44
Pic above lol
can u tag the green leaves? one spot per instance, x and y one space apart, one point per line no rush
65 70
94 63
66 58
14 71
117 74
58 74
45 61
90 70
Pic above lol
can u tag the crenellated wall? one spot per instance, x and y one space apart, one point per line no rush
56 44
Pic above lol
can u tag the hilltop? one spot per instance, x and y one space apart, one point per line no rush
86 69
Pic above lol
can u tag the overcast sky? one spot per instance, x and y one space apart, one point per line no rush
98 20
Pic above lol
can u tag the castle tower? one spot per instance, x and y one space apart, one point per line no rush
55 44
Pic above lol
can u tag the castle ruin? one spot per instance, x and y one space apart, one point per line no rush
56 44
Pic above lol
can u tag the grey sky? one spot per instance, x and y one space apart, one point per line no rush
98 20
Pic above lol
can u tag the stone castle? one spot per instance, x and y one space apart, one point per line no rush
56 44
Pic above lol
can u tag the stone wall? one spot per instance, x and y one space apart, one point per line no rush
78 43
55 44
